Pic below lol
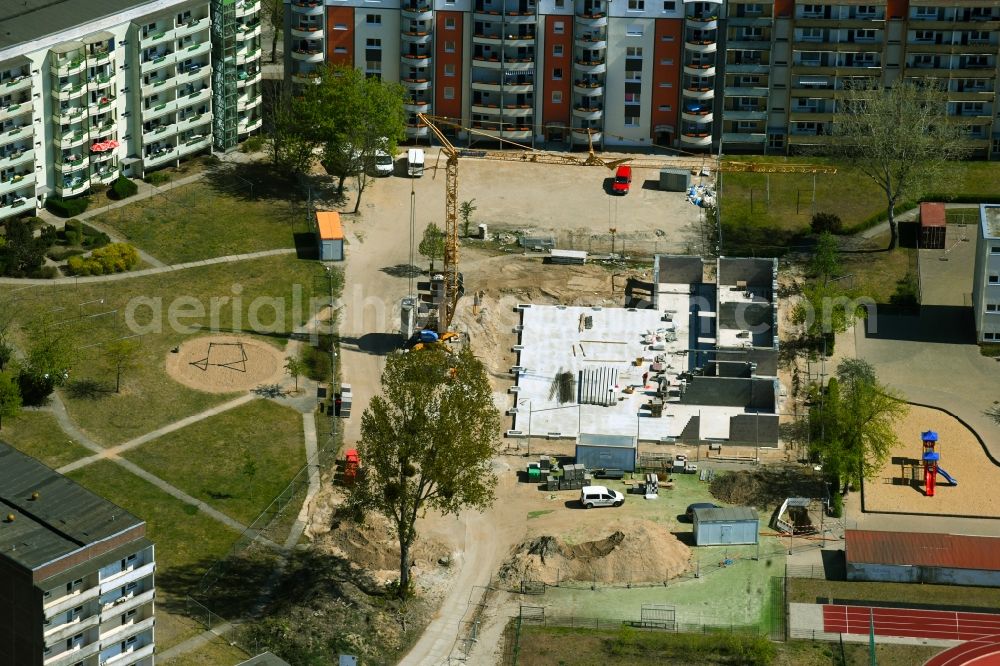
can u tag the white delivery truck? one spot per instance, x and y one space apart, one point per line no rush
415 162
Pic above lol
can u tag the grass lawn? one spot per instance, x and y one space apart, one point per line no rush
782 203
187 541
197 221
804 590
878 274
557 646
38 434
207 459
217 652
93 313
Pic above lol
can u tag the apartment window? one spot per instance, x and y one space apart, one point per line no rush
560 3
752 34
636 5
557 50
183 17
923 60
373 19
995 279
127 617
449 69
633 52
992 307
667 61
449 46
340 26
665 107
925 13
669 6
631 120
746 125
340 49
776 141
449 23
812 9
557 74
634 30
995 249
666 84
558 28
866 11
148 29
557 97
753 9
924 35
449 92
666 38
75 642
812 34
373 43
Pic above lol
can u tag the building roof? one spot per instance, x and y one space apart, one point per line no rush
617 441
932 214
990 218
329 225
265 659
923 549
27 20
726 514
64 518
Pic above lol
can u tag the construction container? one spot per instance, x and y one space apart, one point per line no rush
726 526
330 236
675 180
606 451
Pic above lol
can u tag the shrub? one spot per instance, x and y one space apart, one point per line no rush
836 505
254 144
45 273
113 258
35 222
96 240
62 254
826 222
157 177
122 188
73 232
907 291
67 207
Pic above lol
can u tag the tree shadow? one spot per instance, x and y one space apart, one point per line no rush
252 180
403 271
87 389
379 344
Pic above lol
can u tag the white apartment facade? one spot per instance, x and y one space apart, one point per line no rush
986 279
85 98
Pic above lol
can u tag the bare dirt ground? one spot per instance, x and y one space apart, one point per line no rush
225 364
961 455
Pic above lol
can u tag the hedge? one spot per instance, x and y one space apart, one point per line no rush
122 188
157 177
67 207
114 258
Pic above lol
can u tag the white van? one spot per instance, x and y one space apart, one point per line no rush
591 496
383 163
415 162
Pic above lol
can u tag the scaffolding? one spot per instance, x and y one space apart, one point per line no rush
224 80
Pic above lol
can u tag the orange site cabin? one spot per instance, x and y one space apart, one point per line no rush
330 236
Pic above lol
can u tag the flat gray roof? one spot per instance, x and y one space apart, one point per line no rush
265 659
27 20
728 514
991 221
63 519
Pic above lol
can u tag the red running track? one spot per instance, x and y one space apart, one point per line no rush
983 651
910 623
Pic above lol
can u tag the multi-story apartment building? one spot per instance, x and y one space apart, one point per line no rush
76 573
731 75
89 91
986 279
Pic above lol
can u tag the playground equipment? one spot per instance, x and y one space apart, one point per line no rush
931 467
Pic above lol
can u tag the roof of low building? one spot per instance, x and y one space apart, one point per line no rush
329 225
597 439
27 20
932 214
726 514
62 518
264 659
923 549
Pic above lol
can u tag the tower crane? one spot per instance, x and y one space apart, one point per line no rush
449 299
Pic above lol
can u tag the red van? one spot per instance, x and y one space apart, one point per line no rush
623 178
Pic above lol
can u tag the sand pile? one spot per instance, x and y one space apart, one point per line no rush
639 551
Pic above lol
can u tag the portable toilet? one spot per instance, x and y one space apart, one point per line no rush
330 236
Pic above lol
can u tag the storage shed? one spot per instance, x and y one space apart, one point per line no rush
607 451
907 557
330 236
726 526
675 180
933 226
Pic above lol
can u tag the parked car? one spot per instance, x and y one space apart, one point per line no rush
623 179
689 514
591 496
384 165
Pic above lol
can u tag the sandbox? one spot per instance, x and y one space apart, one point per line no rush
225 364
899 486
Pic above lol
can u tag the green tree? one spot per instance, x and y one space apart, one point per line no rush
900 137
432 244
22 253
857 423
466 209
293 139
427 441
295 367
48 360
10 397
825 262
121 356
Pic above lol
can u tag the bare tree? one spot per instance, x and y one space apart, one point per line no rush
274 15
900 137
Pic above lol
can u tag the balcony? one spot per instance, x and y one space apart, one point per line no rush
591 20
129 657
159 110
519 18
486 86
192 27
156 38
251 7
523 39
519 64
417 131
99 58
196 49
247 78
193 121
753 68
416 106
68 67
159 133
160 157
750 114
519 87
17 157
16 133
16 84
249 31
756 91
588 113
700 140
586 135
14 110
487 39
704 21
128 602
158 62
307 7
250 125
700 117
417 37
588 43
245 54
60 632
699 69
308 56
17 182
416 60
72 164
590 66
122 631
301 77
490 62
593 89
127 576
417 11
514 111
701 47
70 91
100 82
245 103
307 32
186 99
486 109
741 137
18 206
193 74
102 106
514 133
69 657
196 143
699 92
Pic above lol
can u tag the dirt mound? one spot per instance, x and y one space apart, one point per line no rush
766 487
641 551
